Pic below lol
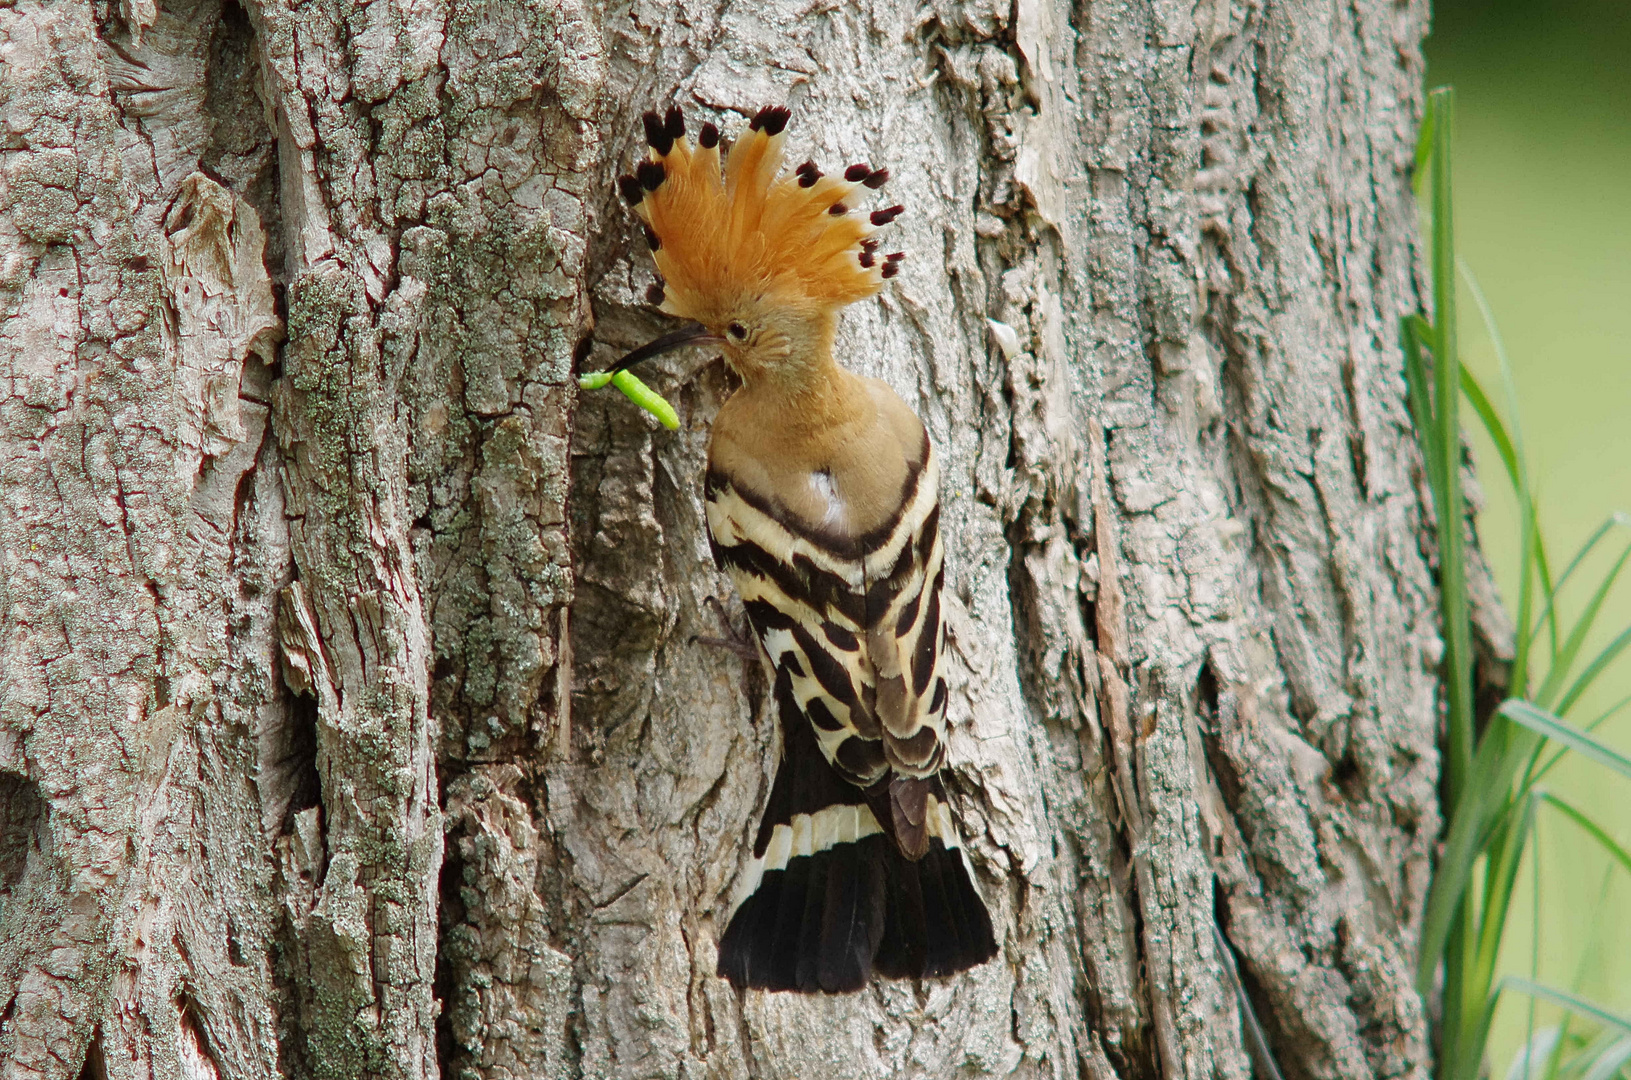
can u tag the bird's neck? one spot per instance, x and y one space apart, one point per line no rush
805 391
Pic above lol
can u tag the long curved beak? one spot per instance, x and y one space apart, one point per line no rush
695 334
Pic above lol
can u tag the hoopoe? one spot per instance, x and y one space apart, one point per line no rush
823 507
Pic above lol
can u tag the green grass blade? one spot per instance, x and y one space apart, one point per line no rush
1414 333
1585 958
1509 444
1492 821
1504 857
1564 655
1424 151
1561 731
1492 425
1516 467
1534 934
1548 588
1563 662
1458 1060
1474 821
1447 443
1608 1063
1617 520
1573 1003
1592 829
1553 589
1532 551
1587 547
1610 652
1532 564
1593 726
1529 535
1537 1048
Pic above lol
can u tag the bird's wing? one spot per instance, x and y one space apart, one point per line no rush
855 622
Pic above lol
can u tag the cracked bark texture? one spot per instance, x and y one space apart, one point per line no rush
358 716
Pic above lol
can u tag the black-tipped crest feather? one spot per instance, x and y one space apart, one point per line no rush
657 136
750 230
651 175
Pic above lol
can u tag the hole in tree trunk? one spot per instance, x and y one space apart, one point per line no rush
452 916
306 787
197 1059
289 782
23 833
242 149
96 1064
1206 691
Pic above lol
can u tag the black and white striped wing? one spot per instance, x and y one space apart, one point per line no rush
904 576
857 868
854 620
807 604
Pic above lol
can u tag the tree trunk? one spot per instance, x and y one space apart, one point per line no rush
360 713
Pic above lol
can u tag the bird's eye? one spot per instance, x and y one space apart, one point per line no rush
737 331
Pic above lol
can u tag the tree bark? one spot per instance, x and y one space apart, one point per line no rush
359 709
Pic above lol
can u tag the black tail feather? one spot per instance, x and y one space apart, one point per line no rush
902 953
938 912
831 920
948 952
826 912
735 958
807 974
851 920
784 941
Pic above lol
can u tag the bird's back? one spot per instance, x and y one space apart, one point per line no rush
830 530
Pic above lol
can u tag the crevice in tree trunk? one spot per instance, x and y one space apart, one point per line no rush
96 1064
242 150
449 987
25 834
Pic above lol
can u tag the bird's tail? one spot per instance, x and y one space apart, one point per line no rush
828 899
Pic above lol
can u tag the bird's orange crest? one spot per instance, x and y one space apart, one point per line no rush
718 236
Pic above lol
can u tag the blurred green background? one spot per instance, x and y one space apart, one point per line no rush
1543 220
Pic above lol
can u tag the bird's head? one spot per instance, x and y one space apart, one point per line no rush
759 263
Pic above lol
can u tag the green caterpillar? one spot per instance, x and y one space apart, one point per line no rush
637 392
